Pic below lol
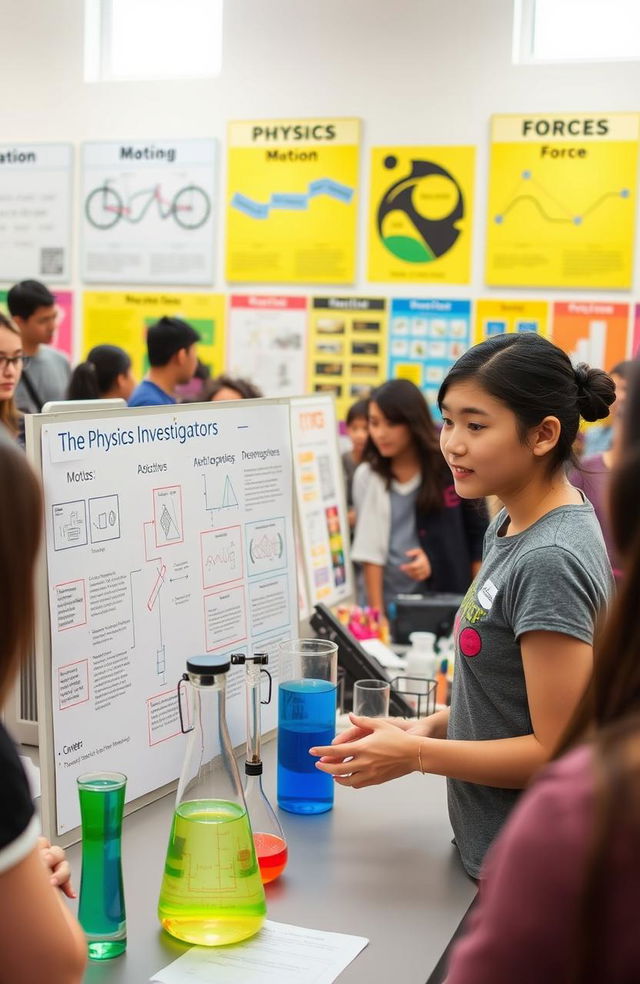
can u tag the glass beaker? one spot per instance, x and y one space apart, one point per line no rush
211 891
268 835
371 698
101 910
306 717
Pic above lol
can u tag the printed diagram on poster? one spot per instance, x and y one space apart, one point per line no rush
122 318
35 212
323 523
176 540
291 208
425 338
562 200
348 347
596 333
267 342
421 206
494 317
148 212
63 339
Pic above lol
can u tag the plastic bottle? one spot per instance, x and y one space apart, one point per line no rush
442 684
422 661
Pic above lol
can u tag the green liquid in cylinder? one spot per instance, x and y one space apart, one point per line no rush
212 890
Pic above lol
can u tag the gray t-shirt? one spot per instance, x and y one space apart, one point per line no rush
403 536
554 576
49 372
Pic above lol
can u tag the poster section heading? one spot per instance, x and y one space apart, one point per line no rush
148 211
123 318
155 552
562 200
291 209
35 211
420 214
426 337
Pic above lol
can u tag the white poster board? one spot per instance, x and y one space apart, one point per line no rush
320 497
169 533
148 212
267 341
35 212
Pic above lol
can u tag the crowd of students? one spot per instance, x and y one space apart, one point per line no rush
538 679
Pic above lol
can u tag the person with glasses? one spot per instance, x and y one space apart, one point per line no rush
33 309
11 364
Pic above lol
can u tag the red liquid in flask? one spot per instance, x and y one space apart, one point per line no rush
272 856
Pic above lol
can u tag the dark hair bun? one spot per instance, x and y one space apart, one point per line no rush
596 392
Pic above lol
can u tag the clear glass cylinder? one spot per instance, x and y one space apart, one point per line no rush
306 717
211 891
101 909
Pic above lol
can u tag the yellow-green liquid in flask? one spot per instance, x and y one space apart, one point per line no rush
212 891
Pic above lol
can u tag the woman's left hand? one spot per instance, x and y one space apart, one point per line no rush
59 870
418 568
385 752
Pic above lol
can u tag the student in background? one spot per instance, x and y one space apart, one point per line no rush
173 357
11 363
414 533
524 632
105 374
357 424
600 439
225 387
39 938
33 309
560 891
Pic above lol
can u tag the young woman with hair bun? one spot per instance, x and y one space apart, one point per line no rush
105 374
524 633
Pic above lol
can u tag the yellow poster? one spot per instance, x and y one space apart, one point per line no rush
292 201
420 213
122 318
499 317
348 347
562 200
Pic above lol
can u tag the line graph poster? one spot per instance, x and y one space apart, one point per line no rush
292 201
495 317
267 342
147 212
35 211
122 318
63 340
348 347
597 334
562 200
426 338
420 213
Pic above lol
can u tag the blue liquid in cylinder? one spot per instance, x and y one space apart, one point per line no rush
306 717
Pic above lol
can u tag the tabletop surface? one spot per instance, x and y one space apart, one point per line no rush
379 865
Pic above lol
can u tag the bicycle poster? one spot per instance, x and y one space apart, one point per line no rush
148 212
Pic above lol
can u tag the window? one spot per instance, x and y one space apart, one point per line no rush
576 30
152 39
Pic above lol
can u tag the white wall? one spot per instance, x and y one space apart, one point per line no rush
415 71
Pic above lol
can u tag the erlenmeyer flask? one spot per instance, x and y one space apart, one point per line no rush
268 836
211 891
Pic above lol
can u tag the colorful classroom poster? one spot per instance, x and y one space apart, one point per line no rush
147 212
267 342
35 212
348 348
597 333
63 338
426 337
292 201
319 483
497 317
562 200
122 318
420 213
